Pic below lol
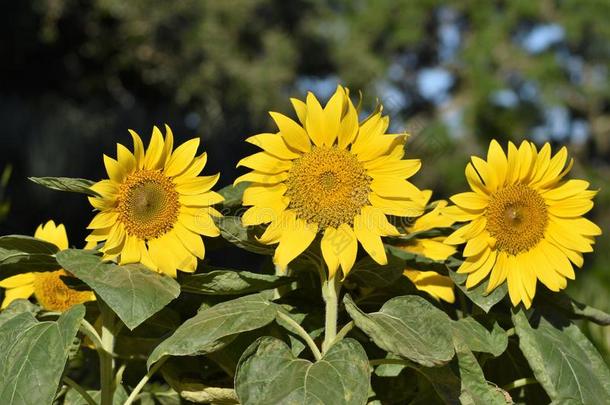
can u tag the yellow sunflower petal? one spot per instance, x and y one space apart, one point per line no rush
125 159
138 149
497 161
190 240
470 201
182 157
273 144
201 224
438 286
104 219
331 250
130 253
295 238
18 280
315 122
196 185
265 162
56 234
300 108
115 171
346 239
194 169
348 129
154 152
370 241
294 134
13 294
264 178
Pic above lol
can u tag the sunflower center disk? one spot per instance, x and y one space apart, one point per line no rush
328 186
148 204
54 295
517 217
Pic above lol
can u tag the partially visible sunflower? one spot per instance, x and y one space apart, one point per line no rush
525 222
48 288
431 282
329 175
154 207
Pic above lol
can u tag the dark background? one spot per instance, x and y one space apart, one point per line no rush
75 75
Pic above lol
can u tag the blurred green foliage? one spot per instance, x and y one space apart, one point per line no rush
77 74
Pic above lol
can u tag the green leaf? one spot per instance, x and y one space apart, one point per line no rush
17 307
233 194
444 382
33 356
268 373
478 338
133 292
27 244
24 254
230 282
565 363
408 326
233 231
213 328
368 273
478 294
474 386
73 185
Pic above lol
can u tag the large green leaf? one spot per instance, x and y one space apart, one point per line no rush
268 373
213 328
230 282
478 338
17 307
73 185
474 386
233 231
23 254
33 356
408 326
132 291
564 362
27 244
477 294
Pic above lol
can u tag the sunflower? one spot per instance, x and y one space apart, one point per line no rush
525 222
154 207
48 288
329 175
431 282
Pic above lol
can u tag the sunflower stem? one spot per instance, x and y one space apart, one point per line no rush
136 391
109 324
330 292
303 334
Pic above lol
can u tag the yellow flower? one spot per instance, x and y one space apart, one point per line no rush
431 282
329 175
48 288
525 222
154 207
